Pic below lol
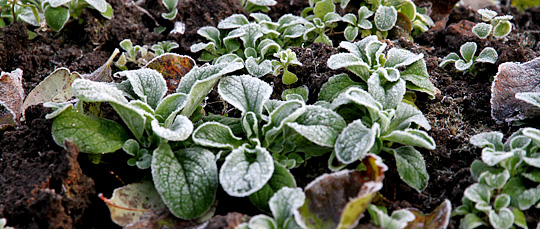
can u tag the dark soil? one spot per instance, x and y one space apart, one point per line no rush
43 185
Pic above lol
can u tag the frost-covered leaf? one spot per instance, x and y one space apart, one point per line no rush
180 129
397 57
492 140
411 167
90 91
323 7
171 105
246 171
172 67
412 137
210 33
438 218
245 93
467 51
280 178
284 113
529 198
354 142
262 221
487 14
399 219
232 22
350 33
503 219
338 200
148 85
357 96
57 3
57 17
385 18
502 201
215 134
92 135
101 5
302 91
494 179
129 203
462 65
471 221
198 82
491 157
478 193
502 29
335 86
388 94
11 98
407 114
350 61
284 202
319 125
256 69
186 180
482 30
530 97
488 55
417 78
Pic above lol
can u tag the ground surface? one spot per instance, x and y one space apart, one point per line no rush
54 188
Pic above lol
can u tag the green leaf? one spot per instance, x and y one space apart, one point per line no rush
495 179
57 3
411 167
504 219
488 55
280 178
519 218
246 171
210 33
514 187
471 221
92 135
478 193
215 134
399 218
487 14
198 82
319 125
108 13
186 180
232 22
397 57
234 123
284 202
531 98
357 96
350 61
262 221
57 17
502 201
171 105
323 38
335 86
491 140
388 94
467 51
462 65
385 18
350 33
412 137
529 198
323 7
405 115
417 75
355 141
482 30
245 93
180 129
303 91
130 202
256 69
54 88
288 111
99 5
532 133
534 175
502 29
345 196
170 4
148 85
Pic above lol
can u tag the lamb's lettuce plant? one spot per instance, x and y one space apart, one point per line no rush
269 129
366 58
286 59
323 20
467 50
499 26
29 11
251 43
157 123
398 220
170 5
163 47
507 180
135 54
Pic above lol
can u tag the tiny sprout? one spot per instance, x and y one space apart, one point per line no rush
499 25
467 50
286 58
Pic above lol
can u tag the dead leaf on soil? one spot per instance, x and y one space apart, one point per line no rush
11 98
514 78
103 73
437 219
129 203
54 88
173 67
338 200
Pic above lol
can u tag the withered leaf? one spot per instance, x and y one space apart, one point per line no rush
11 98
437 219
173 67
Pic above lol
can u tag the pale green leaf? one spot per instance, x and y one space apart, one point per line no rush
492 140
286 112
531 98
471 221
56 18
504 219
101 5
385 18
519 218
186 180
232 22
478 193
407 114
262 221
487 14
388 94
180 129
467 51
280 178
357 96
354 142
502 29
411 167
488 55
215 134
148 84
398 220
482 30
54 88
335 86
397 57
350 33
529 198
57 3
502 201
171 105
245 93
412 137
256 69
210 33
323 7
494 179
284 202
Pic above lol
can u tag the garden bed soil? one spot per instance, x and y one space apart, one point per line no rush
43 185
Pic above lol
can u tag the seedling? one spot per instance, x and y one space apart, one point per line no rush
257 5
398 220
507 180
139 54
499 26
286 58
164 47
467 50
170 5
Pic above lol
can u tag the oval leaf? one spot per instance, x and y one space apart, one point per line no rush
385 18
411 167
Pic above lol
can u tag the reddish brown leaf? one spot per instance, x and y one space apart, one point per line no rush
173 67
11 98
437 219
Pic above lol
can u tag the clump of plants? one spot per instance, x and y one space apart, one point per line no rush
55 13
499 26
468 51
507 180
140 55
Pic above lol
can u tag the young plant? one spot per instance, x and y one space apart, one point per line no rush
170 5
157 123
251 43
163 47
139 54
366 58
398 220
286 58
467 50
257 5
358 23
499 26
323 20
507 180
28 11
266 134
377 118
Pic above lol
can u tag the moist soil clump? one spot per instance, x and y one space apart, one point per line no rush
57 187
